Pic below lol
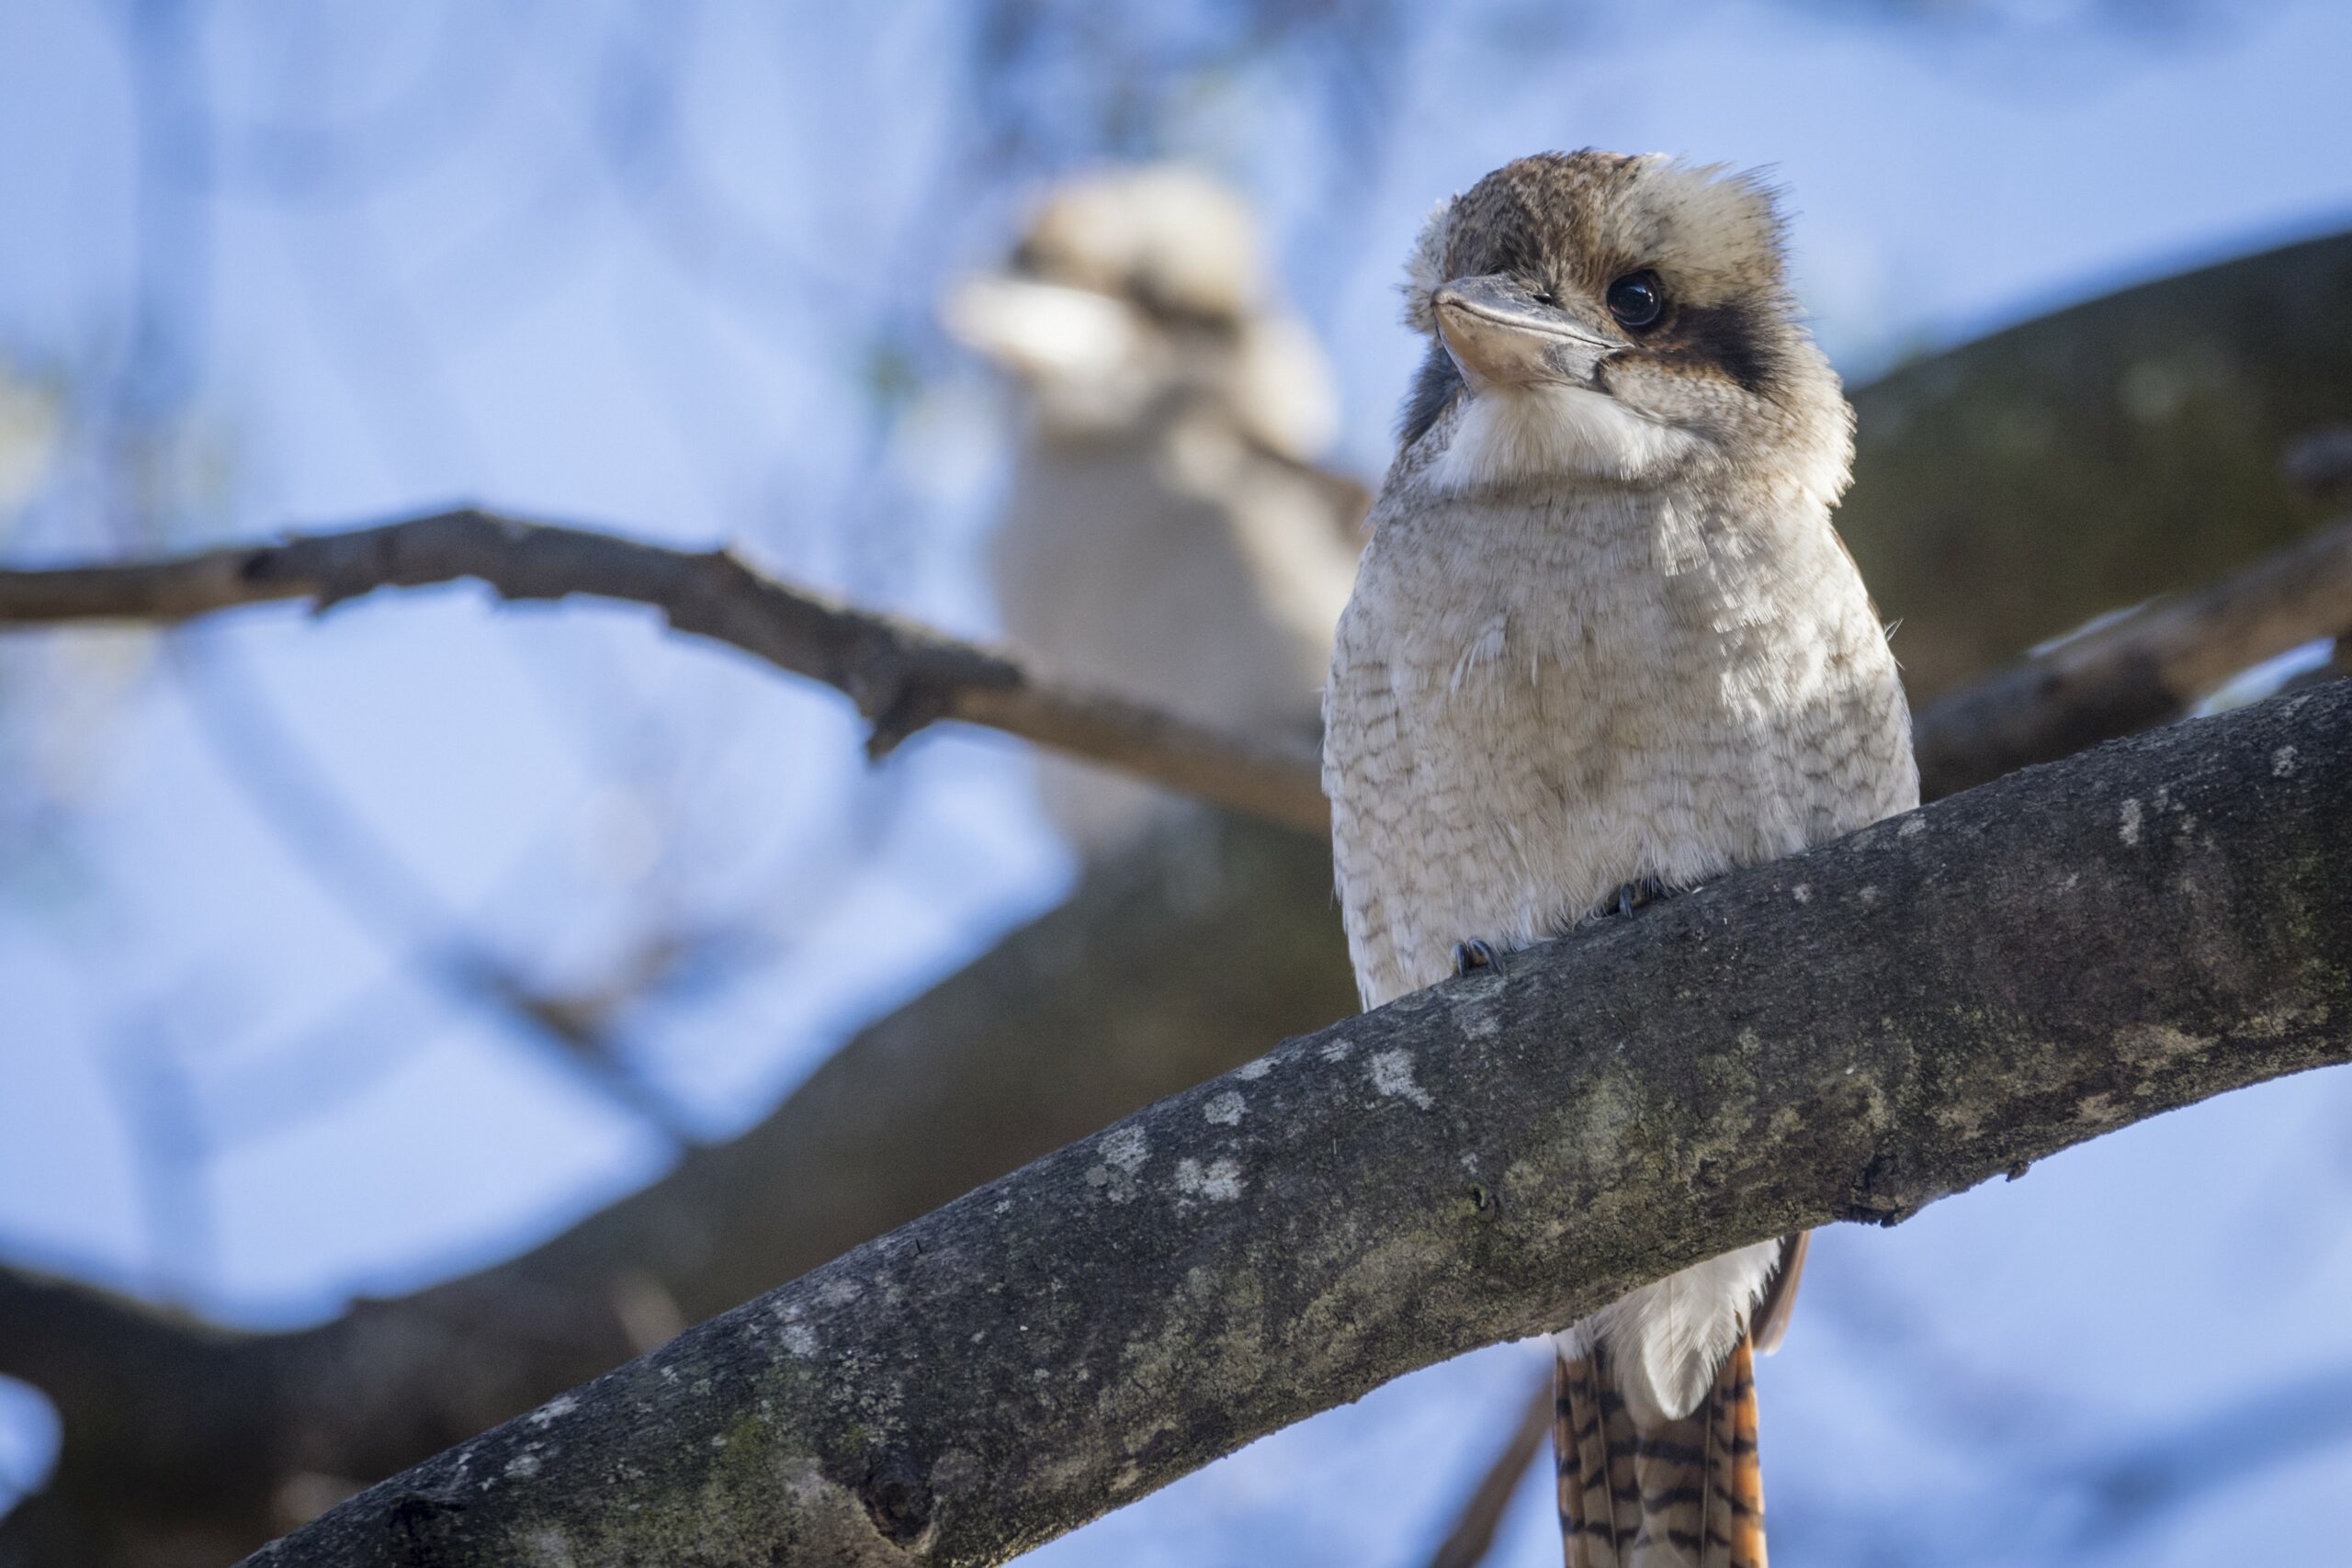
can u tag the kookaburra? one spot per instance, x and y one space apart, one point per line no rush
1605 645
1167 537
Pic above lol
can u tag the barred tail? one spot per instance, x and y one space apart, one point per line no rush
1685 1493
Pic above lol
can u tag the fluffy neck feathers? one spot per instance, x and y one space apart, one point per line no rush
1535 435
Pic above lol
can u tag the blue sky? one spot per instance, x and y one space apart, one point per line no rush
502 305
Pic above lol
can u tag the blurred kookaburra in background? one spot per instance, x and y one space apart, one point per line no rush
1166 536
1605 646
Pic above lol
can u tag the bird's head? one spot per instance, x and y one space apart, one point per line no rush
1614 318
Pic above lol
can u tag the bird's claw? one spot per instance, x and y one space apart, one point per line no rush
1633 895
1475 954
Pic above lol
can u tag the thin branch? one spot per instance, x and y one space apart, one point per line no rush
1466 1543
294 800
2142 669
2095 1503
1850 1033
901 675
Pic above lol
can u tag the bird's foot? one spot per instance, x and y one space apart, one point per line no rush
1475 954
1634 895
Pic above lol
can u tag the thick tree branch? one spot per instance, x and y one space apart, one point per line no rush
2014 487
1847 1035
901 676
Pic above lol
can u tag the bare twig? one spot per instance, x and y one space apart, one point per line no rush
2145 668
1465 1545
901 675
294 798
1953 996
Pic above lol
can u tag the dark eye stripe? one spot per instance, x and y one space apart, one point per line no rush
1722 335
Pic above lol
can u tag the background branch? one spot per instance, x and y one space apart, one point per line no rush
1846 1034
1161 972
901 675
2147 667
1473 1531
2015 487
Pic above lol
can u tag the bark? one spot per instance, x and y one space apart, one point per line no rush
1847 1035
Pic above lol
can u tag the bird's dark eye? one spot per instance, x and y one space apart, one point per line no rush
1637 299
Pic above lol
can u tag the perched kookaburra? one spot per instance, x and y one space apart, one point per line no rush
1166 538
1605 645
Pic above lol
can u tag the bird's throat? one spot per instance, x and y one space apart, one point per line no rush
1507 438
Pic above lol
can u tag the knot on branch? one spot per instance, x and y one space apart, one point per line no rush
424 1526
898 703
329 578
333 567
903 684
897 1498
1887 1194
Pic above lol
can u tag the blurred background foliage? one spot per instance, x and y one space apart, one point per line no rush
538 986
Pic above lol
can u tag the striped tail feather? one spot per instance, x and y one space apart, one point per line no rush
1678 1493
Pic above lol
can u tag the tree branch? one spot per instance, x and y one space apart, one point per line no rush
2014 487
1473 1533
1846 1034
2145 668
901 676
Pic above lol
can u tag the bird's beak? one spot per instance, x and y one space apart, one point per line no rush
1040 331
1501 334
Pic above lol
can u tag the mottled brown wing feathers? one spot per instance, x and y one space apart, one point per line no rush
1685 1493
